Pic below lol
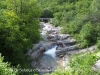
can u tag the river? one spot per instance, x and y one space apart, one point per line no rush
49 61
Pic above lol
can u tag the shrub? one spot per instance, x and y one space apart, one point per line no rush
80 64
98 44
5 68
86 34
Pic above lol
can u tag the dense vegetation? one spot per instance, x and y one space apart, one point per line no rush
5 68
19 29
80 65
81 19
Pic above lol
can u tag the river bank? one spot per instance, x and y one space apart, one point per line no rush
45 53
48 54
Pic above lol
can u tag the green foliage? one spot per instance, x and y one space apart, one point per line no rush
73 16
19 29
47 14
80 64
5 68
86 34
80 18
98 44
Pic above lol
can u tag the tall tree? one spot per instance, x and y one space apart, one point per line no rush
19 29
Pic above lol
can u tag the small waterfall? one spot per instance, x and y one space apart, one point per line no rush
51 51
49 59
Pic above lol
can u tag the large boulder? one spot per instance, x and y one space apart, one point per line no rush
38 53
60 44
61 51
37 46
69 41
59 36
53 31
67 48
64 36
52 37
50 31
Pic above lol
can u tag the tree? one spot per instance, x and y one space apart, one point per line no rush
86 34
19 29
5 68
47 14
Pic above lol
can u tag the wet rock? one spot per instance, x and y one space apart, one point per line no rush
60 44
53 31
64 36
69 41
60 51
67 48
49 46
46 28
50 31
58 36
52 37
38 53
37 46
42 25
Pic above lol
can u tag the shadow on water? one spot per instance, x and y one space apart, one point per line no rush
48 60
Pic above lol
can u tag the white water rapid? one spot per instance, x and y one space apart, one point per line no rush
51 52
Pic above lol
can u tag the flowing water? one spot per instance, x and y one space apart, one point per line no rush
51 52
48 60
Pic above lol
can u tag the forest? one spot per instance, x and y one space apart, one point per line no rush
19 30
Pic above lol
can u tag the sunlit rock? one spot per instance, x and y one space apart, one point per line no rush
96 66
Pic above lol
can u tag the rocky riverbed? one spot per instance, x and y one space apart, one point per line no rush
48 54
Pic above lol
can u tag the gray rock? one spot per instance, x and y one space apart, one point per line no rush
37 46
96 66
38 53
64 36
60 44
50 31
69 41
67 48
61 51
42 25
52 37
